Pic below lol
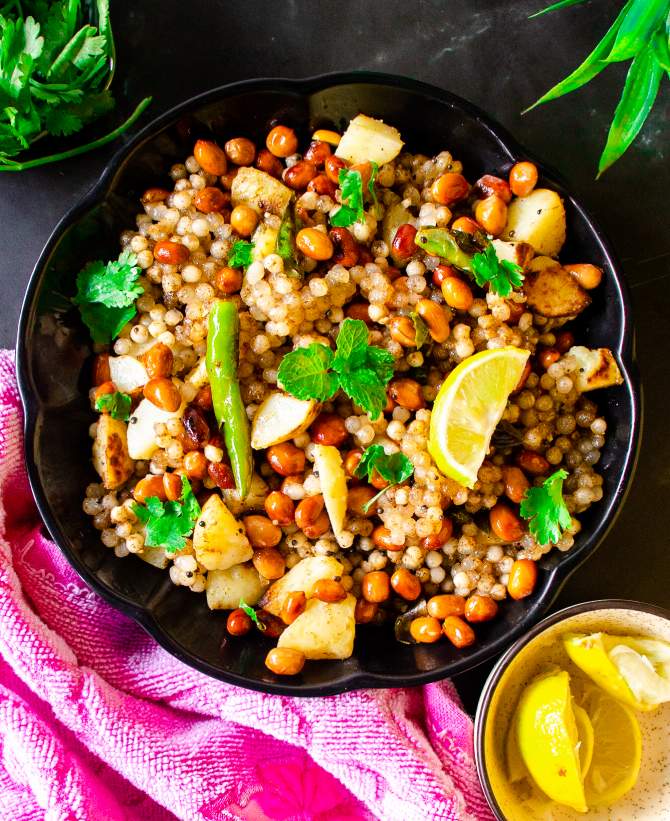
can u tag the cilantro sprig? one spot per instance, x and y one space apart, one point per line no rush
502 275
116 404
362 371
106 293
56 63
545 509
253 615
241 254
351 185
394 468
168 523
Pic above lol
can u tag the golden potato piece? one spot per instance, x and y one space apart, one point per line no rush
260 191
281 417
520 253
254 500
369 140
110 452
219 540
302 576
553 292
596 368
324 631
538 219
328 464
225 588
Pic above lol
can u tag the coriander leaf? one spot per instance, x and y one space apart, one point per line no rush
114 284
104 323
253 615
381 362
116 404
365 389
394 467
241 254
60 121
420 329
304 373
545 509
168 523
351 210
502 275
352 336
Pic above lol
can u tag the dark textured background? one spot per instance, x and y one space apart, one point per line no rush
488 52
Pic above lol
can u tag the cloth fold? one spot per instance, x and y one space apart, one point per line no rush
99 723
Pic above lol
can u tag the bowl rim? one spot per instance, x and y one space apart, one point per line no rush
624 349
493 679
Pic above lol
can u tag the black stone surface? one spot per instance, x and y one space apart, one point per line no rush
488 52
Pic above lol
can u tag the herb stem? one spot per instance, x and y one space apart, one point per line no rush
12 165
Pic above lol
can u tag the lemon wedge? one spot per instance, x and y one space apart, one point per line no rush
548 739
635 671
617 749
468 407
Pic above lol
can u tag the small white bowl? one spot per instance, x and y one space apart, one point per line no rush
649 800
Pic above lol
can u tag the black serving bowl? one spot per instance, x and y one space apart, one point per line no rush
54 378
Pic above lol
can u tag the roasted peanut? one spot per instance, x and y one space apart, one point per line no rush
265 161
314 244
210 200
210 157
459 633
402 331
449 188
564 341
425 629
403 246
240 151
196 429
465 224
523 178
282 141
522 578
298 176
328 429
333 166
329 590
352 460
195 464
491 214
158 360
285 662
406 584
588 276
457 294
294 606
365 611
244 220
533 463
322 186
376 586
446 604
359 310
273 626
172 486
311 517
406 393
153 195
170 253
163 393
516 483
101 373
441 273
436 540
280 508
480 608
228 280
286 459
358 497
505 524
435 318
489 185
261 532
346 249
268 561
221 474
238 623
149 486
381 536
318 152
547 357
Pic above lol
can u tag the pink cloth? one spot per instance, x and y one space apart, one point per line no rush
98 722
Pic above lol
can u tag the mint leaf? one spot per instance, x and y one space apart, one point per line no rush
545 509
502 275
365 388
304 373
394 467
381 362
352 336
420 329
168 523
114 284
116 404
241 254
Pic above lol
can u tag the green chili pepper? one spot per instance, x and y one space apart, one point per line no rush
222 359
637 100
441 243
285 246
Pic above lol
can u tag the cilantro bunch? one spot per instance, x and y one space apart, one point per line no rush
169 523
502 275
351 185
106 294
362 371
56 66
241 254
545 509
394 468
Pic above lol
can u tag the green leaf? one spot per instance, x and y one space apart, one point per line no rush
241 254
502 275
114 284
662 49
637 28
590 68
252 615
352 336
637 100
167 524
420 329
441 243
394 467
381 362
562 4
545 509
304 373
104 323
61 121
351 185
116 404
365 389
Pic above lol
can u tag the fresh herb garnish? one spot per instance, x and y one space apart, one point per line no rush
545 509
420 329
106 294
393 468
351 184
502 275
361 370
640 32
116 404
168 523
253 615
55 69
241 254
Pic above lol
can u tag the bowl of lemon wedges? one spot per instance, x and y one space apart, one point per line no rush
574 720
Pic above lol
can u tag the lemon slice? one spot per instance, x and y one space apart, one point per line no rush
586 738
548 739
617 749
622 666
468 407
